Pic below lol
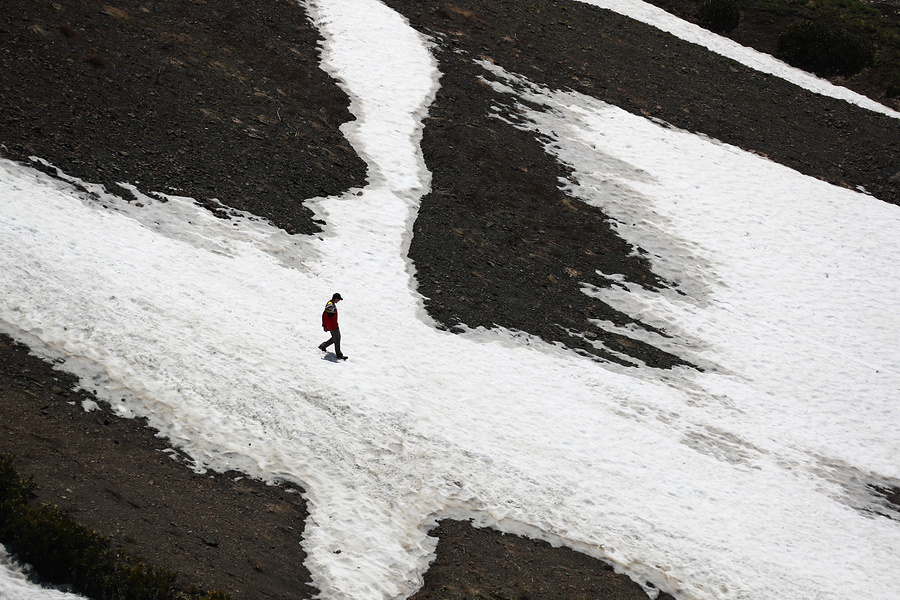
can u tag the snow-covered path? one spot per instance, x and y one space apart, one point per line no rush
745 481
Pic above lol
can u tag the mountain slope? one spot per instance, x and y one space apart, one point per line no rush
251 121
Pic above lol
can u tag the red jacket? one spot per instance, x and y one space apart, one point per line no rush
329 317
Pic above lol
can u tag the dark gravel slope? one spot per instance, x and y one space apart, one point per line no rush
496 242
211 100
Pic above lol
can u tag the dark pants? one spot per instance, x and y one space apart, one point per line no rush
335 339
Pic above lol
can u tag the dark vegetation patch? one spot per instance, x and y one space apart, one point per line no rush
825 49
719 15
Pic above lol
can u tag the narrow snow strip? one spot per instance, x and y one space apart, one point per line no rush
765 63
385 67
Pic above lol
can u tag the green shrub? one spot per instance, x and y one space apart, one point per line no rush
720 16
14 490
63 552
892 86
825 49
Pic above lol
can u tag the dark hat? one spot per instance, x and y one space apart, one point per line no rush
336 297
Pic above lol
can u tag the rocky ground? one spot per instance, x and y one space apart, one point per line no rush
223 100
496 230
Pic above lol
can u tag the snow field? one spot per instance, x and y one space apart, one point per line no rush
772 245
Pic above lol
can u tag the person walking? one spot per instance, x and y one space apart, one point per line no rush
330 323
